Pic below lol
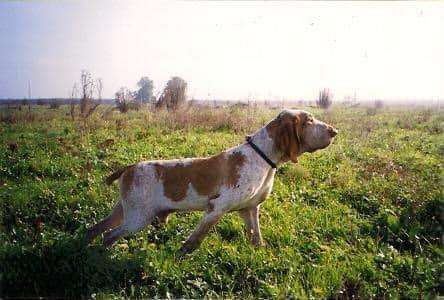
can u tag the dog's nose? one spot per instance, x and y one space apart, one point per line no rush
333 131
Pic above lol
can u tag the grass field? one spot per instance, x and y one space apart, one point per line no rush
363 217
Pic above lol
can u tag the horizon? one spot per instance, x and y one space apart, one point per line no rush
276 51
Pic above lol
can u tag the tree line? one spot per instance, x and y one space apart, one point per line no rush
172 97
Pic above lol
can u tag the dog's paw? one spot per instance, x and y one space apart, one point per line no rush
187 248
182 253
258 243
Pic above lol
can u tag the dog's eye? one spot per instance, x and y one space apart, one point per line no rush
309 121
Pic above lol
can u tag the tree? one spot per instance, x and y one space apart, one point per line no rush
87 87
325 99
125 99
174 94
145 92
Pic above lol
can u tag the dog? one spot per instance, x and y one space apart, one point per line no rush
238 179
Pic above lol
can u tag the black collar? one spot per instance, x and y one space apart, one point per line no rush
259 151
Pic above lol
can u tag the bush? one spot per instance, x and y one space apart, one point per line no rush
125 100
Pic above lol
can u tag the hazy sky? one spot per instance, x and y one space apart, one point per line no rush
238 50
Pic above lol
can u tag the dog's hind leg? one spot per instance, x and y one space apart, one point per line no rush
114 235
133 222
110 222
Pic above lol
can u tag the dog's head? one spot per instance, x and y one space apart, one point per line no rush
297 131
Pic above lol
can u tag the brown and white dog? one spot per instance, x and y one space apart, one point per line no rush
238 179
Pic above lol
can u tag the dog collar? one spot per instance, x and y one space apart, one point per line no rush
259 151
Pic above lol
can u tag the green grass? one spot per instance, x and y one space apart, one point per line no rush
363 217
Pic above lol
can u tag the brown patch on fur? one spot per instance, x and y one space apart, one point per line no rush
285 131
235 161
206 175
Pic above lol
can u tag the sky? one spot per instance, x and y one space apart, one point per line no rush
246 50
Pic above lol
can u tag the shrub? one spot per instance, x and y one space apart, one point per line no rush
125 100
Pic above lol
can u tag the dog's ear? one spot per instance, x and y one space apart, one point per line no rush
289 133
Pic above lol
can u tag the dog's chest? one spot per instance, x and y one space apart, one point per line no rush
257 187
265 188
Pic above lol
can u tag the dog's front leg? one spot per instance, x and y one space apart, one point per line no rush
208 221
251 218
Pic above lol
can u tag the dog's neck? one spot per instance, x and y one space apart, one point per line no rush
265 143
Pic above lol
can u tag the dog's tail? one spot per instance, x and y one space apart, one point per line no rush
116 175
